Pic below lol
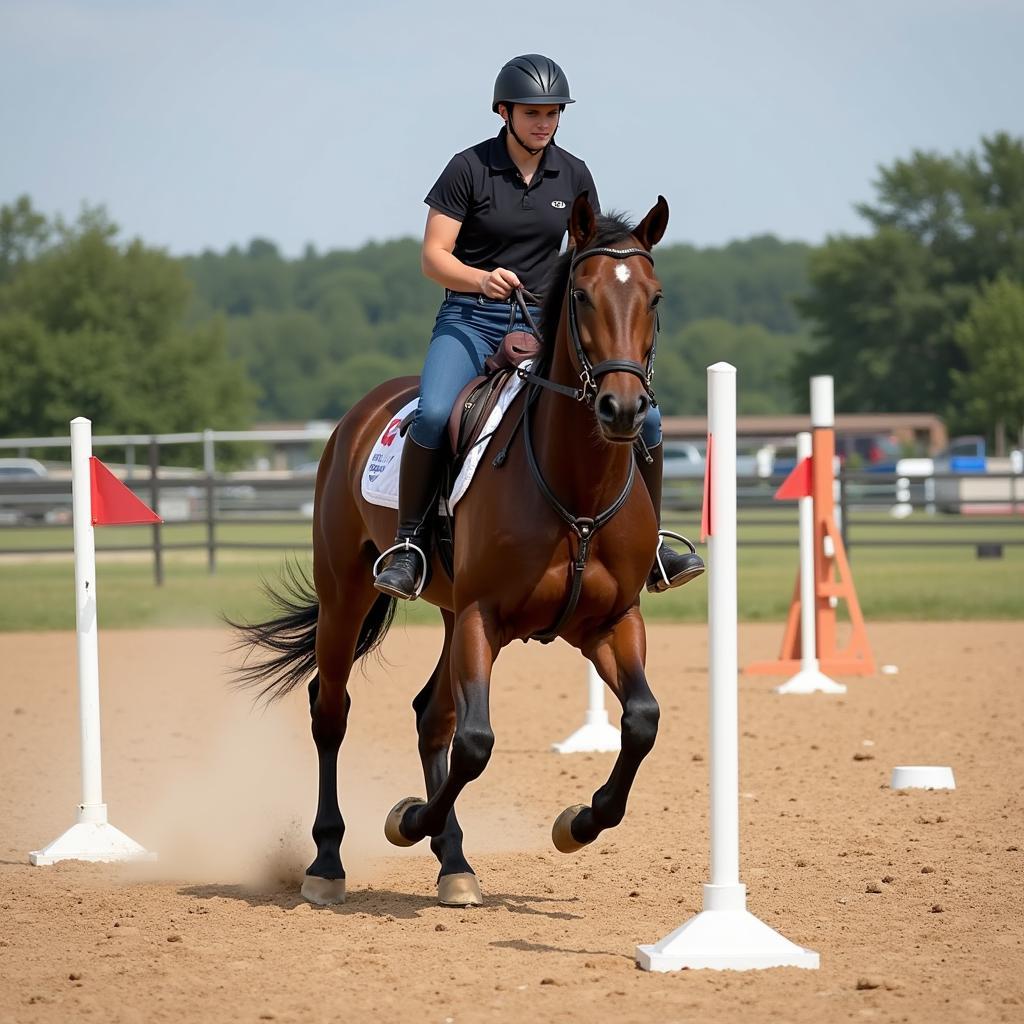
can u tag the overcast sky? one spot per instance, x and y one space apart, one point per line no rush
201 123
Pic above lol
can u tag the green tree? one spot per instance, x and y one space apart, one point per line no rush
92 327
884 308
992 338
23 234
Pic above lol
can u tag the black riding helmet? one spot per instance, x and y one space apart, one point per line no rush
531 78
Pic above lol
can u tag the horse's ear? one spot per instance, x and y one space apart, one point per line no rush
649 231
582 222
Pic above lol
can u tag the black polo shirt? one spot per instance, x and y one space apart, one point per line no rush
505 222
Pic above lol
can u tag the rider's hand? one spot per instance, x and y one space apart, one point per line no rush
498 284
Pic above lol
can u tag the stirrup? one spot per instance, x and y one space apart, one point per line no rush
662 534
405 545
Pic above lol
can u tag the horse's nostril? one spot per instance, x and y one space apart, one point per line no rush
642 405
607 408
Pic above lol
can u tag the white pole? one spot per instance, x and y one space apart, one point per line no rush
92 807
823 409
597 734
723 658
810 678
91 837
724 935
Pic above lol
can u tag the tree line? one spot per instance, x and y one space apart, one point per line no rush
925 312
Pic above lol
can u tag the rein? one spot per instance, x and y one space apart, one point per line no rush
584 527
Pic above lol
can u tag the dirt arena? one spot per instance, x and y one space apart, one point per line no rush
215 931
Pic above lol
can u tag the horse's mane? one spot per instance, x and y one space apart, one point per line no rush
612 227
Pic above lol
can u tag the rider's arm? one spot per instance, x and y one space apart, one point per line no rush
441 266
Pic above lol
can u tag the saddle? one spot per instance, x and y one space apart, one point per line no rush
478 397
465 424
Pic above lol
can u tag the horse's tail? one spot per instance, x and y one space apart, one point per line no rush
290 637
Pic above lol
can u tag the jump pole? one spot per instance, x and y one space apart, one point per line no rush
833 580
724 935
92 837
596 735
810 678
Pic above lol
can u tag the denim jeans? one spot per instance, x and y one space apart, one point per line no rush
467 330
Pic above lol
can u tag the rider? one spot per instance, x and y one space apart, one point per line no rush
498 215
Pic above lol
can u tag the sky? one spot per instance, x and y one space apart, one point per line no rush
204 123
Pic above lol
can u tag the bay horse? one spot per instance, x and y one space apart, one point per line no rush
555 541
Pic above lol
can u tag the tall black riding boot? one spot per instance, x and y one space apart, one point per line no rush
670 569
408 566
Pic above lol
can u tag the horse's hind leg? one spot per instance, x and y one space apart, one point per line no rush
339 630
457 885
473 651
619 660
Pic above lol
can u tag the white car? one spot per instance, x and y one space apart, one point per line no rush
22 469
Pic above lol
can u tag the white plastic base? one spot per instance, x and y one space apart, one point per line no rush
596 736
92 838
724 939
811 680
922 776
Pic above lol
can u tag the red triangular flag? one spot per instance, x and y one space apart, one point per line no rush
113 504
705 505
797 484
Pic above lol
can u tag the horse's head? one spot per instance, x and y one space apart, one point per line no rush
612 315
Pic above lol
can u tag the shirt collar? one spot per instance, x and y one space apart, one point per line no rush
499 160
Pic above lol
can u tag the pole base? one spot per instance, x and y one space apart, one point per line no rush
724 937
811 680
596 736
91 841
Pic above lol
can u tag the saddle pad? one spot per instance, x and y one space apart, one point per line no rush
379 482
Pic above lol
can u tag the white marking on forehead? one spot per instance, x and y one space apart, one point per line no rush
622 272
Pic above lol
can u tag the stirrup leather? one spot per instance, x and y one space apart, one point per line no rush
405 545
662 534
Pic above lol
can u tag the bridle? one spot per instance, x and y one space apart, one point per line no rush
589 374
584 527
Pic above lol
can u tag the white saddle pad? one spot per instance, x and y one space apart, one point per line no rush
380 475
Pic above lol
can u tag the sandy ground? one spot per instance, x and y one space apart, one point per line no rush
215 930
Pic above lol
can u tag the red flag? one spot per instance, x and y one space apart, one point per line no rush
705 505
797 484
113 504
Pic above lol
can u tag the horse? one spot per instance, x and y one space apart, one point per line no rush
555 537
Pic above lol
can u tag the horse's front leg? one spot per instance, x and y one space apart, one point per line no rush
619 659
472 657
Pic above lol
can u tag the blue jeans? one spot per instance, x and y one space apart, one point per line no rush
467 330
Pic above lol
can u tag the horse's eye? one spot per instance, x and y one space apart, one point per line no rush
580 295
655 300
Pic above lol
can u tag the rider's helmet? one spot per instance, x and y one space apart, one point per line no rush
531 78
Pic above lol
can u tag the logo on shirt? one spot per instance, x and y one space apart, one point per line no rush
558 204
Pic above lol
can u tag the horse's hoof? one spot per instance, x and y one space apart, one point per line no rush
393 822
324 892
459 890
561 831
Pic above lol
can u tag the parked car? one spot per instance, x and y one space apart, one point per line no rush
22 469
683 460
873 453
22 506
964 455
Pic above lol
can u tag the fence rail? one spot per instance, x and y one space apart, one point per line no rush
210 511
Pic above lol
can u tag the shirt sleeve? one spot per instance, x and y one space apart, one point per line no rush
452 193
586 184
